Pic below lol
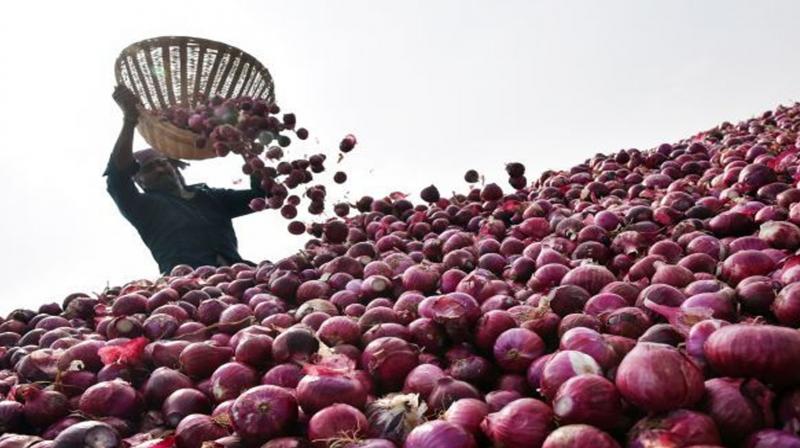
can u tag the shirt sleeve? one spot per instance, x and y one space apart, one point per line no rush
237 202
121 188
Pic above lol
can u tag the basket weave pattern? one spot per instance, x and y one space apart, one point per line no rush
179 71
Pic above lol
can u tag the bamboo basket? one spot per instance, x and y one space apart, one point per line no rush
177 70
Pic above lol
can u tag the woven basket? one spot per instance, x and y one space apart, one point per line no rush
176 70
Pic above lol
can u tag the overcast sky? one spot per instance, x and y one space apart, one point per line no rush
431 88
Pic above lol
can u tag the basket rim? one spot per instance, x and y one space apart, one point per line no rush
179 40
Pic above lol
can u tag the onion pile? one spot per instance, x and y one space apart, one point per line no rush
642 298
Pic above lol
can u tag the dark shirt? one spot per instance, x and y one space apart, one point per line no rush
196 231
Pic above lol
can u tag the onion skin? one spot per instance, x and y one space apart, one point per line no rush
590 399
439 433
467 413
335 422
522 423
786 306
738 407
562 366
515 349
658 378
677 428
579 436
89 433
766 352
198 428
263 412
772 438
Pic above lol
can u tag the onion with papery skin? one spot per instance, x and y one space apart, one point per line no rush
263 412
579 436
198 428
338 421
658 377
447 390
467 413
773 438
738 407
439 433
326 384
389 360
91 434
182 403
522 423
562 366
201 359
42 407
515 349
590 399
677 428
111 399
766 352
422 379
231 379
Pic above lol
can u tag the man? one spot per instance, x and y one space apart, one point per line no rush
179 223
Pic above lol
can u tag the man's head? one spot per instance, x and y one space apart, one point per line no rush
157 172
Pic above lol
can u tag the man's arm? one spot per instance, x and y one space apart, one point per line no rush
121 165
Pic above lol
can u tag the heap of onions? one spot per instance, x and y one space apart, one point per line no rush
642 298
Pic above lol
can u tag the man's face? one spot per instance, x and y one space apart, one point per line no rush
158 175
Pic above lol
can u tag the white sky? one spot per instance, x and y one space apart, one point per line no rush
431 88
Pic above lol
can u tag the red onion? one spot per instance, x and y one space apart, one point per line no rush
568 299
198 428
591 278
389 360
491 325
766 352
780 234
89 433
579 436
326 384
254 350
422 379
592 343
263 412
166 353
772 438
339 421
786 306
11 416
515 349
297 344
284 375
182 403
630 322
201 359
468 413
658 377
111 399
231 379
439 433
746 263
738 407
447 390
603 303
562 366
589 399
163 382
523 423
86 353
756 294
677 428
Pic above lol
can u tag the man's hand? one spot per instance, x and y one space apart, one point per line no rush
127 101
